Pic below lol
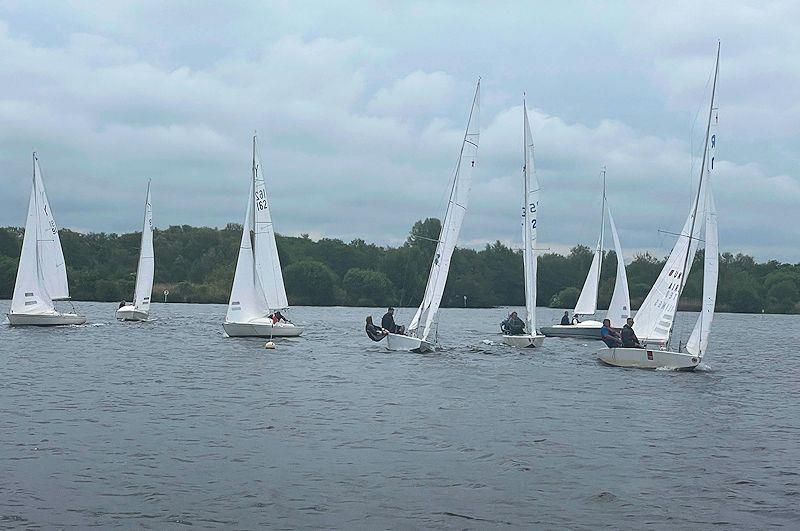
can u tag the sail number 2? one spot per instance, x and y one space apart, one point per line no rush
530 212
261 201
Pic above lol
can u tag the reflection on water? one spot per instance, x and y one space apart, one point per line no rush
170 422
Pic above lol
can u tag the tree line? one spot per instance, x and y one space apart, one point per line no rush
196 264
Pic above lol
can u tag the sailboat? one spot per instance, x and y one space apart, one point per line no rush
619 307
421 332
530 213
655 319
139 310
42 273
258 292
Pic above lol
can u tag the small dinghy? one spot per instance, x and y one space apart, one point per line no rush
655 319
258 293
140 309
530 213
423 324
618 308
42 273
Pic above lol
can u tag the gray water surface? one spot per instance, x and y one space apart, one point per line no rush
169 424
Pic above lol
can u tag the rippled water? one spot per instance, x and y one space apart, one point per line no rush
169 422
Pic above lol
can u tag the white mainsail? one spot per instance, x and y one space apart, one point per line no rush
530 213
619 309
655 318
587 300
268 264
50 256
698 341
456 208
144 272
258 287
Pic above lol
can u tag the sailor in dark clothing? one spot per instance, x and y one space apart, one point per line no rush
388 323
629 338
565 319
374 332
121 304
609 335
513 325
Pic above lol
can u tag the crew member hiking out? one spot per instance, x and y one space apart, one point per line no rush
374 332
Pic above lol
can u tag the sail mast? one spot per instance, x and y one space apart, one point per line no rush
684 277
602 229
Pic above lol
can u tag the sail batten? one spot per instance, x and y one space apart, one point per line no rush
422 324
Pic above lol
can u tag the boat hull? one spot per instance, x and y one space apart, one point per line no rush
642 358
524 341
408 343
261 329
130 313
584 330
46 319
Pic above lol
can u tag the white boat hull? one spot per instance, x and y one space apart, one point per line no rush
584 330
45 319
261 329
524 341
130 313
408 343
643 358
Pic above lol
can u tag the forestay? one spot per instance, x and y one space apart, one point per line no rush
619 307
268 264
448 237
530 213
144 272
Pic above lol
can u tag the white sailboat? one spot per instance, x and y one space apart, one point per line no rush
530 213
139 310
258 291
42 273
655 319
421 336
618 308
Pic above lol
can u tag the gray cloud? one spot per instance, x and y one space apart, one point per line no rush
360 111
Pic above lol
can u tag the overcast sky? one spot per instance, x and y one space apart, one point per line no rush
360 109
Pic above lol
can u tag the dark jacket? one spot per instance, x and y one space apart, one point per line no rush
629 338
565 320
513 326
374 332
388 323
